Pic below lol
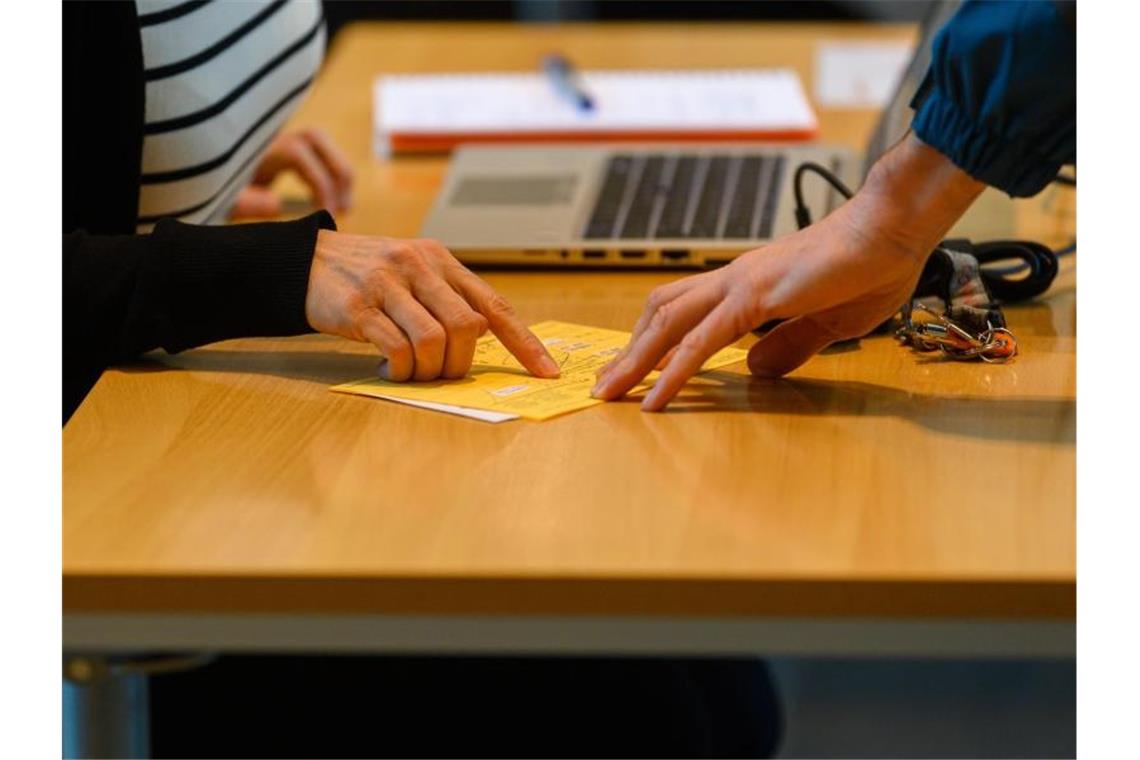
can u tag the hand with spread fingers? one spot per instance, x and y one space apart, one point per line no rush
313 155
834 280
416 303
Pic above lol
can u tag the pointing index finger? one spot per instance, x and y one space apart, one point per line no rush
507 327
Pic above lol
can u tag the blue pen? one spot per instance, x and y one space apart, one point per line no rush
566 81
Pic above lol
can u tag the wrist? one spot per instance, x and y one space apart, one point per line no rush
324 259
917 193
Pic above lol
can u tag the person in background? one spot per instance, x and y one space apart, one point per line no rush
997 107
171 119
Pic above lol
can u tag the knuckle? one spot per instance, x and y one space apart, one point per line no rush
662 317
434 248
744 321
747 312
414 262
404 252
431 337
377 282
657 299
359 314
693 341
467 323
500 306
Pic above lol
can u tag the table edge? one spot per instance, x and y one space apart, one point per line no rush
690 597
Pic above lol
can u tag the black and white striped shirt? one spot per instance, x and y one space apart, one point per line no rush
221 78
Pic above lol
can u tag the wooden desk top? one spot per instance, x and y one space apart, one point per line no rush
872 482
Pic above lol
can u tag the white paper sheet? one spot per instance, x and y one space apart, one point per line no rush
728 100
462 411
859 74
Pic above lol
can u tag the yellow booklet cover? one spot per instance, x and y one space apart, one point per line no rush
498 383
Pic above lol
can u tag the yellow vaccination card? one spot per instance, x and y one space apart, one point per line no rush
498 384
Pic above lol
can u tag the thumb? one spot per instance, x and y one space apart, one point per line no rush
256 201
788 345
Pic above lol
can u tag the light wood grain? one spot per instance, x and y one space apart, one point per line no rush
872 482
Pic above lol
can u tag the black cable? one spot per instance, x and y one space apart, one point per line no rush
1029 278
803 214
1023 266
1039 262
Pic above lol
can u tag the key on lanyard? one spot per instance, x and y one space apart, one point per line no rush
994 344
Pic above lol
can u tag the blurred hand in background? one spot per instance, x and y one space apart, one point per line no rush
315 158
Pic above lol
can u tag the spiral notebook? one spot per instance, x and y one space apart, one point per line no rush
436 112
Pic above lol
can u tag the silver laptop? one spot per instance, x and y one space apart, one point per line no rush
645 205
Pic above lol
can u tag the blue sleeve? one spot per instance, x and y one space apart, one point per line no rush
1000 97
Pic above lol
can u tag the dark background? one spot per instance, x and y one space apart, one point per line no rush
340 12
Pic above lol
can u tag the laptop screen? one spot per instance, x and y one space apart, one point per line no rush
896 117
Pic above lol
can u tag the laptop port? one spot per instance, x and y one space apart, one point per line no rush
632 253
674 254
593 253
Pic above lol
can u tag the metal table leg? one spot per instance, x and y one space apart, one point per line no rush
106 710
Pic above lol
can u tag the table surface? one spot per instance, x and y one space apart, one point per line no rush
872 482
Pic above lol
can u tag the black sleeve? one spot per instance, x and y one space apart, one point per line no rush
104 108
180 286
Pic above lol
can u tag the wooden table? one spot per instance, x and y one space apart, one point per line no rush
874 502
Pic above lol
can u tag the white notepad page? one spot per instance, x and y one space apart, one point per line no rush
749 100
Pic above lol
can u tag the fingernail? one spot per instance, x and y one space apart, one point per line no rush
549 366
649 403
382 369
605 382
600 389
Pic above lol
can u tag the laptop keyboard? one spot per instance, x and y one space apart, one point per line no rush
647 196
